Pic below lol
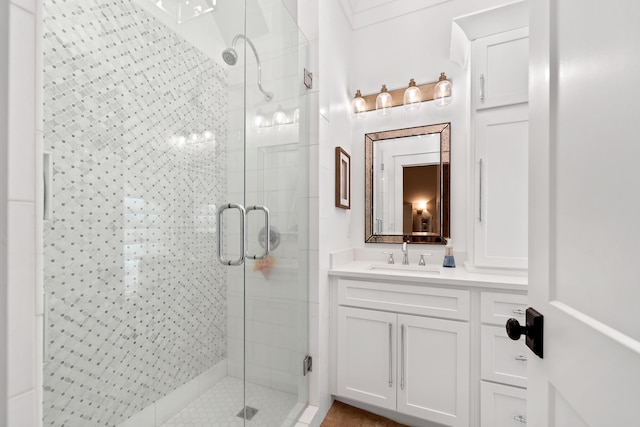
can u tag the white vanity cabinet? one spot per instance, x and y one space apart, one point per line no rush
500 133
391 354
430 347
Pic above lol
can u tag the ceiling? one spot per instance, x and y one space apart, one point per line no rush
362 13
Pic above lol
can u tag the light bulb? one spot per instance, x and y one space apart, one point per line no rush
279 117
442 91
383 102
258 121
412 97
358 105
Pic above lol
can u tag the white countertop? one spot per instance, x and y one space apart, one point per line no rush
447 276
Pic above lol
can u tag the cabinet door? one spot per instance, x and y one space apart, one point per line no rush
433 369
502 406
366 356
501 202
501 69
502 359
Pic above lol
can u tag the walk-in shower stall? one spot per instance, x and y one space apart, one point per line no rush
176 213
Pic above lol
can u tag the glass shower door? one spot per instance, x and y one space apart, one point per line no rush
274 283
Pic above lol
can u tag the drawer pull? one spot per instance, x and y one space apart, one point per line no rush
520 418
401 357
390 356
521 358
519 311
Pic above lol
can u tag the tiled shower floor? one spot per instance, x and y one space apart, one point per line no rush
219 406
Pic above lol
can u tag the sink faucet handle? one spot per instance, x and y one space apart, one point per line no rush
422 262
390 260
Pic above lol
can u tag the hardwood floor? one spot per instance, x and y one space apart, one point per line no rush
343 415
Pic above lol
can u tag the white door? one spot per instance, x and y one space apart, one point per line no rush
584 258
433 369
367 356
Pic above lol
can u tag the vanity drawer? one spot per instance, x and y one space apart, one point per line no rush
420 300
497 308
502 359
502 406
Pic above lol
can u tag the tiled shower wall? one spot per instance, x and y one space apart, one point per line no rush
135 125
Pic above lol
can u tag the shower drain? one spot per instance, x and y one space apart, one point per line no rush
248 411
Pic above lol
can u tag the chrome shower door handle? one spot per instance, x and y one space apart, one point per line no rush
267 227
221 258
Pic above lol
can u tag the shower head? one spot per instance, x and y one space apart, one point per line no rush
230 56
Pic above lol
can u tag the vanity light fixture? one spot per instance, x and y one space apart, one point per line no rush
411 97
384 102
358 105
442 91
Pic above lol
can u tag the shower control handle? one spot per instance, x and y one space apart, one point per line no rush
240 259
267 227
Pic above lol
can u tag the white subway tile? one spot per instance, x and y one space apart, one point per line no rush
39 70
212 376
22 410
21 297
21 105
168 406
144 418
29 5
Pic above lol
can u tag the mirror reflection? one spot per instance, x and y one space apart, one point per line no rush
407 185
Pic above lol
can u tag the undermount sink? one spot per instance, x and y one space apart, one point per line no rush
405 269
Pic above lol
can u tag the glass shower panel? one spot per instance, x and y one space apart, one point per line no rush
276 159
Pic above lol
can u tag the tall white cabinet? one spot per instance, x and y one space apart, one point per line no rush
499 141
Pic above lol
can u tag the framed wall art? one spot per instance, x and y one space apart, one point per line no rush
343 179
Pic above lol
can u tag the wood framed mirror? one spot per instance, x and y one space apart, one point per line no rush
407 185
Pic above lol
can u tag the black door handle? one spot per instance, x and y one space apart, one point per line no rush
533 330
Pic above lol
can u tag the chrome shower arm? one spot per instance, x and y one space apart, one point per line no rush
267 95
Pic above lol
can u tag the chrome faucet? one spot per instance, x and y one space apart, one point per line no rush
405 253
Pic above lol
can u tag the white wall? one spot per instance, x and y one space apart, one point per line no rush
391 52
329 34
24 304
343 60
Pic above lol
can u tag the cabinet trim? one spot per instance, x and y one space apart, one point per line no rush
423 301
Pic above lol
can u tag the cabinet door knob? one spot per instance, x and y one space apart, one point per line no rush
533 330
520 418
515 330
